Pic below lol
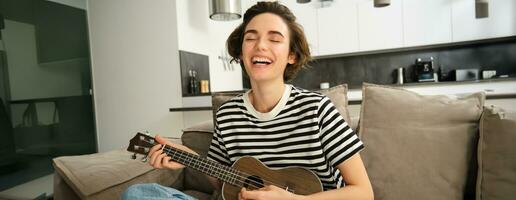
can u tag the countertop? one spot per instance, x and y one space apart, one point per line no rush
494 89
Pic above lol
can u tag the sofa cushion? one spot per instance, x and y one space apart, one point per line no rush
496 155
218 98
419 147
107 174
198 138
337 95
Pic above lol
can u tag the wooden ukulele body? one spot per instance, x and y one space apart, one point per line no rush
297 180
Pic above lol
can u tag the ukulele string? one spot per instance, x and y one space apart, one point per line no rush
238 180
236 174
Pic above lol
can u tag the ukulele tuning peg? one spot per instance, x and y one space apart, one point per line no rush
144 159
133 156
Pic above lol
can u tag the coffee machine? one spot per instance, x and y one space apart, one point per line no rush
424 70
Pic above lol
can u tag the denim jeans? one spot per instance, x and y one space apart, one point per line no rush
153 191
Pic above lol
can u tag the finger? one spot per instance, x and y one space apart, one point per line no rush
161 140
249 194
160 160
154 149
154 156
171 164
240 197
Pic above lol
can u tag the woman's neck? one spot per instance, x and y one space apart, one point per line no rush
265 96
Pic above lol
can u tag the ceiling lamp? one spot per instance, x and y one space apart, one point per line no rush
225 10
381 3
481 8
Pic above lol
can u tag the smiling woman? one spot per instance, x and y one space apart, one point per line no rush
293 36
277 124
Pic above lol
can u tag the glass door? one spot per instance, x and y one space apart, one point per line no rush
45 83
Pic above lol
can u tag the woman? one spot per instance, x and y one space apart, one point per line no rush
277 123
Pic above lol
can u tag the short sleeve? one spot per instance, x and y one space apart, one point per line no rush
338 140
217 151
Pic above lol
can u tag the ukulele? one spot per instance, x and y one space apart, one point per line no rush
247 172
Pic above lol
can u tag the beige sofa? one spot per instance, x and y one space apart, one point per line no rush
452 148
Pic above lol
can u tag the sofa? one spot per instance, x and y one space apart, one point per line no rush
417 147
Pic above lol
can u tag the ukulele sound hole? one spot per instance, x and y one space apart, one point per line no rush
253 182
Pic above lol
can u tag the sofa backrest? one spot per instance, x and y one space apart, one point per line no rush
198 138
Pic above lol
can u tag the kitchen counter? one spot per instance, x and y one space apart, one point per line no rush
494 89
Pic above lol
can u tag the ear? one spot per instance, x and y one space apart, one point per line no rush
291 58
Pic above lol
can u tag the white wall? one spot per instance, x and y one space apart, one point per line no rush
135 69
199 34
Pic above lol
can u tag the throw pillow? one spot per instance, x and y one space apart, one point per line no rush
337 95
419 147
108 174
496 155
218 98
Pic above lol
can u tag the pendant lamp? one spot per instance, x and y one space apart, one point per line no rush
225 10
481 8
381 3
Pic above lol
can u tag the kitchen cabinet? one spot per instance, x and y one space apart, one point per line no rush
426 22
337 28
379 28
500 23
306 15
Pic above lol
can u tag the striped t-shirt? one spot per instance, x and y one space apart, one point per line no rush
303 130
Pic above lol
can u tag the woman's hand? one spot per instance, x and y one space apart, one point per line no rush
159 159
269 192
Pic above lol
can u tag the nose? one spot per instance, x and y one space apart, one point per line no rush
261 44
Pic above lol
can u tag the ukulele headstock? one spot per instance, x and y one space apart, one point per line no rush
141 144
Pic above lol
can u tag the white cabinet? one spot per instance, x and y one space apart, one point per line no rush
500 23
306 15
379 28
427 22
337 28
347 26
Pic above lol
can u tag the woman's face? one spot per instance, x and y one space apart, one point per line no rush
266 48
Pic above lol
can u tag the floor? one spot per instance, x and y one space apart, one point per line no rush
29 178
40 188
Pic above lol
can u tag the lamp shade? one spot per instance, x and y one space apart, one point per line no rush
382 3
225 10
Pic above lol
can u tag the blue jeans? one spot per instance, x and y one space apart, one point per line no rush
153 191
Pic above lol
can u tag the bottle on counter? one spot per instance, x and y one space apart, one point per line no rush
205 86
193 83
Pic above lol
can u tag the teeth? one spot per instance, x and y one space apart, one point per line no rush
261 60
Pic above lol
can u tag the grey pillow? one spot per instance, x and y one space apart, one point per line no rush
419 147
496 155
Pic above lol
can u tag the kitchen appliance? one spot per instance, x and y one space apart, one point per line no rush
466 74
424 70
487 74
400 78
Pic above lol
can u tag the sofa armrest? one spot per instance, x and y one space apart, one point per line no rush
106 175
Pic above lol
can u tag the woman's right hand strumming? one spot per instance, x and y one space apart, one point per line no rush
159 159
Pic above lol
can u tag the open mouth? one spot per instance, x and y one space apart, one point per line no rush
261 61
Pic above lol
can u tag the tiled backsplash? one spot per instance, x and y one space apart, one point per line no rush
380 68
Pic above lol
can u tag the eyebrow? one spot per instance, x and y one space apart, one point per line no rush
270 32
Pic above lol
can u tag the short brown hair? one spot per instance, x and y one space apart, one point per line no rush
298 43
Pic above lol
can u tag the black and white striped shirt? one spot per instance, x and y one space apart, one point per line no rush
303 130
